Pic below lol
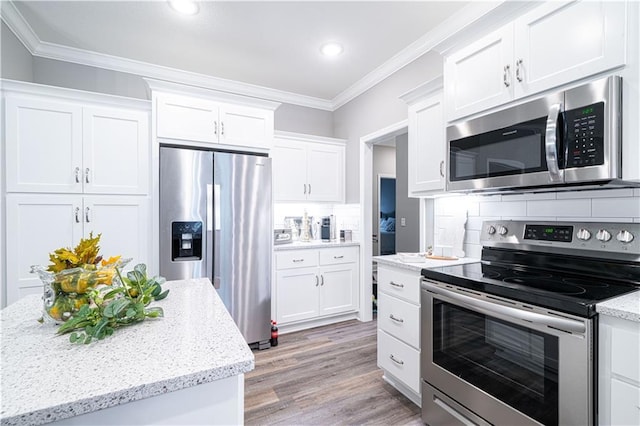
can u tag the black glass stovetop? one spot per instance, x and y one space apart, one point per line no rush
567 284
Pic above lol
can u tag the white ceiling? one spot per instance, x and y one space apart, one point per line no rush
264 43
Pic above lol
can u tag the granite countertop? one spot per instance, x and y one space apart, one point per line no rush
314 244
46 378
625 307
394 260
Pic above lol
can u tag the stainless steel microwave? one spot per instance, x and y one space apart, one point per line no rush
564 139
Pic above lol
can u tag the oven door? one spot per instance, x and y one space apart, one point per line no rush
504 362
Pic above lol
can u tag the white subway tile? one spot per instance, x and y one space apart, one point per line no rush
473 250
559 208
526 197
597 193
489 198
473 208
503 209
598 219
475 223
535 218
472 237
616 207
636 192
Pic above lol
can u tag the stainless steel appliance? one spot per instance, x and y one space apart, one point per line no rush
511 339
563 139
215 221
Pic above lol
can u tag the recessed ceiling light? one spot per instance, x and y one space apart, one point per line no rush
184 7
331 49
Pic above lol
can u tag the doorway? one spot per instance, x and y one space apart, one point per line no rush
384 242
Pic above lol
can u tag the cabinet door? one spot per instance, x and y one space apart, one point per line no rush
325 172
44 146
338 289
181 117
245 126
36 226
426 146
124 224
297 294
625 403
561 42
289 171
116 151
480 75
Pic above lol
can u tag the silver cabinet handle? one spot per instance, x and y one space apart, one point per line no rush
309 189
442 168
317 281
86 175
215 128
305 188
298 260
400 320
396 284
321 280
550 143
222 128
86 215
338 257
518 66
505 80
77 214
397 361
77 171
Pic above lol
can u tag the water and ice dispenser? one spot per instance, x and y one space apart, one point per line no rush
186 241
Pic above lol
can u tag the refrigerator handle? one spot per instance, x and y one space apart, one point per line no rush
209 233
214 209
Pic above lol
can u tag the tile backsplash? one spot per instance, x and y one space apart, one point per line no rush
605 205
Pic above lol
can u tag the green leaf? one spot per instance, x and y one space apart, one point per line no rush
141 268
162 295
111 293
155 312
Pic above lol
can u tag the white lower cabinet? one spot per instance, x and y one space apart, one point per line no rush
618 371
315 284
399 329
38 224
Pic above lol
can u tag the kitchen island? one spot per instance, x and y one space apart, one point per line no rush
187 367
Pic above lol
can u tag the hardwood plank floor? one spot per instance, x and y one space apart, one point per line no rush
326 375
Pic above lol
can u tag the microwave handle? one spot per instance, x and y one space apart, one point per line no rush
550 144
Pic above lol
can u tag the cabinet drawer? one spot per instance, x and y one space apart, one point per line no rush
333 256
296 259
399 359
625 352
399 318
400 283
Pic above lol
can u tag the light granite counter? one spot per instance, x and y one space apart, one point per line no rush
626 307
45 378
394 260
314 244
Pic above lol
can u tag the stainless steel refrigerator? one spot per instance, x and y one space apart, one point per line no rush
215 221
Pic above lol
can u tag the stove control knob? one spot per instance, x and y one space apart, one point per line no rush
502 230
491 230
624 236
603 235
583 234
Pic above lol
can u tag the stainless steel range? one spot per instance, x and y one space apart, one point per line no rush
512 339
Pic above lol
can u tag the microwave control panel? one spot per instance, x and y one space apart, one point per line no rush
585 136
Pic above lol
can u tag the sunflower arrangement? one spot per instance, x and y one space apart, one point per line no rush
89 294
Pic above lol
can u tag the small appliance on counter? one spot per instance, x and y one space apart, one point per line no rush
282 236
346 235
328 228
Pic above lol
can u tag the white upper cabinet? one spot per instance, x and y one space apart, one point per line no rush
209 121
427 144
66 147
479 75
308 168
554 44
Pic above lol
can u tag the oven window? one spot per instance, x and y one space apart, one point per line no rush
510 151
516 365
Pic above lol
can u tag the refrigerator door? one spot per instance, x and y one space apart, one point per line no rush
185 176
242 240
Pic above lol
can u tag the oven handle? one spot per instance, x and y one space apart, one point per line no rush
550 147
494 308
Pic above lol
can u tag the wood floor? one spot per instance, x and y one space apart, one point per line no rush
326 375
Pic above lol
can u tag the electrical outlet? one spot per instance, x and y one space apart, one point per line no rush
403 221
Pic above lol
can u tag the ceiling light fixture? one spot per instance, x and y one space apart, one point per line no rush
184 7
331 49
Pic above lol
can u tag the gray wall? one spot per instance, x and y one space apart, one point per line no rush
377 108
408 236
294 118
15 60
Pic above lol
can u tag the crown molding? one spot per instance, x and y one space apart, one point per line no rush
422 90
19 26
